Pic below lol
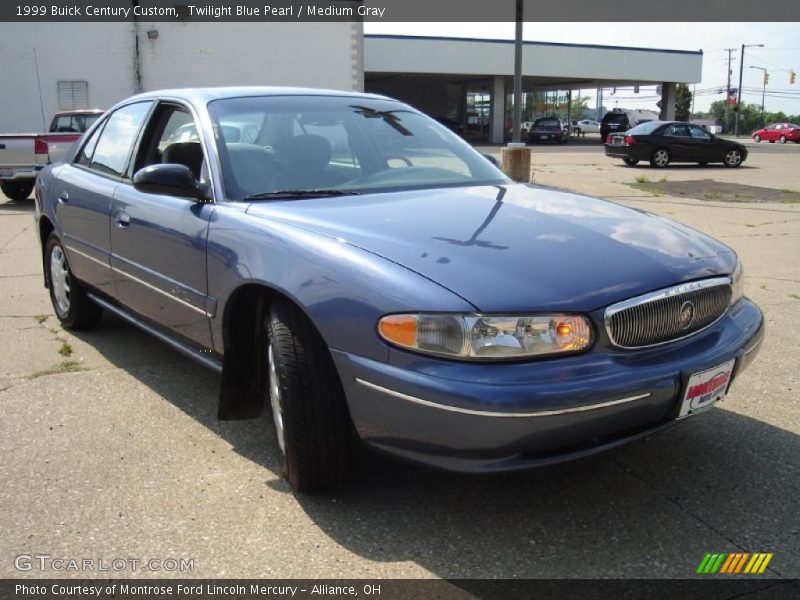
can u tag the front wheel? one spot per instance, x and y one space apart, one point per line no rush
309 412
17 190
660 158
782 139
72 306
757 139
630 161
733 158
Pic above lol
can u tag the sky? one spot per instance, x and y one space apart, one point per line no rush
781 52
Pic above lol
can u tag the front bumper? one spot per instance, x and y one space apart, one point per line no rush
496 417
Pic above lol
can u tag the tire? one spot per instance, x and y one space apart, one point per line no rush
660 158
782 139
313 431
578 131
733 158
630 161
72 306
17 190
757 139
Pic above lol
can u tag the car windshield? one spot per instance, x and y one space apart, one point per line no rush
338 144
645 128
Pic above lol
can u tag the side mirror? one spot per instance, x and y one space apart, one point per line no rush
491 159
170 180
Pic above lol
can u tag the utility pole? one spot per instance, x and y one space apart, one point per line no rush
728 91
764 79
739 93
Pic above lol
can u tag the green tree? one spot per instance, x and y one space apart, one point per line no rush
683 102
577 108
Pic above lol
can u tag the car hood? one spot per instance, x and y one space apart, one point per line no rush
515 247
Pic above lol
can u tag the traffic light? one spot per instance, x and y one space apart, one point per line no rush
766 77
792 76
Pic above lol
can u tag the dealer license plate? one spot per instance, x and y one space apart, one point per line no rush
706 388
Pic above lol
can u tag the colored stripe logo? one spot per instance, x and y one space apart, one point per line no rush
732 564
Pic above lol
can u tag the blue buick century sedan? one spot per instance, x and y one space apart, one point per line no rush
357 268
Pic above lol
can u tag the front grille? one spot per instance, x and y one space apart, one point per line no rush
669 314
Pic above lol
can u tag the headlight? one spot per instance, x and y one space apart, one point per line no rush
737 282
496 337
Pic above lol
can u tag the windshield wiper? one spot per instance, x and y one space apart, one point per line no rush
300 194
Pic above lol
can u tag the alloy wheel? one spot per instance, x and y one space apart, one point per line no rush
275 401
59 279
733 158
661 158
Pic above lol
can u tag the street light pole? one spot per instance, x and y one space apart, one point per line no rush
739 93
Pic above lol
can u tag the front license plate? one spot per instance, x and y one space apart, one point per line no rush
543 137
706 388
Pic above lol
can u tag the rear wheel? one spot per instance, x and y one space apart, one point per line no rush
630 161
733 158
309 411
660 158
782 139
757 139
72 306
17 190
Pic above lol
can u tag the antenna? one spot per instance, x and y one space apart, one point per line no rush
39 83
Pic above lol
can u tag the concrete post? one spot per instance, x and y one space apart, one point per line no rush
515 161
668 97
497 125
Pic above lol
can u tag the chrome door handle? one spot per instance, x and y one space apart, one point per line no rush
63 198
122 220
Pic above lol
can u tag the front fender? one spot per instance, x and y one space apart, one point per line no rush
343 289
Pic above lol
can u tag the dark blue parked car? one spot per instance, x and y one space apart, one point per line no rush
365 273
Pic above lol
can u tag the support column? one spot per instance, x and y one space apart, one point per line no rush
498 117
668 97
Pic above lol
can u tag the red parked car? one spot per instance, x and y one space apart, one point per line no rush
782 132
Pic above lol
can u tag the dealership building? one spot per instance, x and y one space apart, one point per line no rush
465 83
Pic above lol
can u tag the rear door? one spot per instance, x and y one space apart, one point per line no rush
159 241
84 192
679 142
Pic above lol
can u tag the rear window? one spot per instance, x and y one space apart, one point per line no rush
645 128
547 123
615 118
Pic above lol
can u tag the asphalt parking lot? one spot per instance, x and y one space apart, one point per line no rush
111 447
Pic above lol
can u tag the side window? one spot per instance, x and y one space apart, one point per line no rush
85 155
699 133
676 131
172 138
117 139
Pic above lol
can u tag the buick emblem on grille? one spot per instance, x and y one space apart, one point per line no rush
686 315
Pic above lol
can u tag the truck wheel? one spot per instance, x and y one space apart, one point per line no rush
309 412
17 190
71 304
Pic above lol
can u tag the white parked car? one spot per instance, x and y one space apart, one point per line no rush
586 126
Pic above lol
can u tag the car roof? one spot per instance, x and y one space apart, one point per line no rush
203 95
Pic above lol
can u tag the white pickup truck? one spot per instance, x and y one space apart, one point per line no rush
23 155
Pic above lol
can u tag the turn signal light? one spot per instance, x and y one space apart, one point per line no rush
40 147
400 329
